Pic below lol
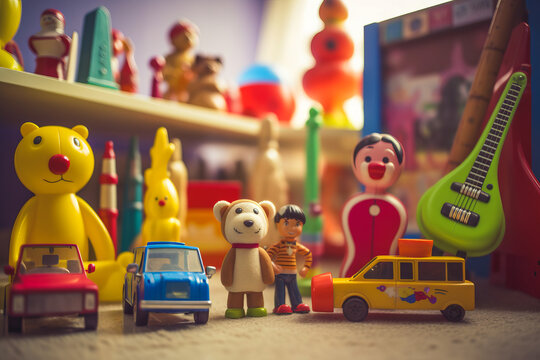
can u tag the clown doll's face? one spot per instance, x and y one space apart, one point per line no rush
377 167
49 22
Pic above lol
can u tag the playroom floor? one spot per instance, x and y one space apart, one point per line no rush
505 325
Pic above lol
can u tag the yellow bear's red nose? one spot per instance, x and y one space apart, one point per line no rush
58 164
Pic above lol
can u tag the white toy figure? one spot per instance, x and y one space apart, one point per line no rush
51 45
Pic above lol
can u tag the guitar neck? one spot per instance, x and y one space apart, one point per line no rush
496 129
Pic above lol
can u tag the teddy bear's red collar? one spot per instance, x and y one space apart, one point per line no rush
245 246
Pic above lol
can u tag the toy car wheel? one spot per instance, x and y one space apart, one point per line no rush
90 321
140 316
355 309
454 313
201 317
128 309
14 324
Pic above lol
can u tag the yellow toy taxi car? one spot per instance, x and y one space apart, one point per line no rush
398 282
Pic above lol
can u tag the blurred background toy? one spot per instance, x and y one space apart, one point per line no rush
132 205
205 88
161 199
96 50
267 179
157 63
374 220
108 180
179 177
184 36
262 91
13 48
332 80
202 228
51 45
127 77
10 17
312 233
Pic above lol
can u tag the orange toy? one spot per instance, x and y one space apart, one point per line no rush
332 80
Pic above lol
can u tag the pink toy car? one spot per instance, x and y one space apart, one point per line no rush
50 280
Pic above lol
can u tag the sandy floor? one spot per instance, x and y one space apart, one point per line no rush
506 325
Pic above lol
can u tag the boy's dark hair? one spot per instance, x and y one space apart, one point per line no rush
290 211
375 138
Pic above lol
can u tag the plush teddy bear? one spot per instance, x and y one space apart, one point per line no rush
206 89
247 268
54 163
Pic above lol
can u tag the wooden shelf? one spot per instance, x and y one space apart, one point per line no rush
44 100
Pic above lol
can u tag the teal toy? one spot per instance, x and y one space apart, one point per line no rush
132 206
312 233
96 50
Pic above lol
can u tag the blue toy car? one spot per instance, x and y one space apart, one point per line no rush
167 277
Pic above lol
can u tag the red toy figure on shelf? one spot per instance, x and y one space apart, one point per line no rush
373 221
332 80
51 45
127 76
157 63
108 210
13 48
184 36
289 220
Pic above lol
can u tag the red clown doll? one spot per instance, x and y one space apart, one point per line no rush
374 220
51 45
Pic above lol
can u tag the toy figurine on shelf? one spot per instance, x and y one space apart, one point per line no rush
51 45
161 198
289 221
96 50
374 220
267 179
108 211
332 80
127 77
54 163
205 88
157 63
247 268
10 17
263 91
184 36
13 48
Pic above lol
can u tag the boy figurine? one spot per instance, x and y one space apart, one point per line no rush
289 221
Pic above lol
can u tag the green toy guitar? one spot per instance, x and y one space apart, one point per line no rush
463 211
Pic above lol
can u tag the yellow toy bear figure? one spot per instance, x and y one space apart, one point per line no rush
54 163
161 199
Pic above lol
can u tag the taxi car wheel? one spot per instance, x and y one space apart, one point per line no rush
90 321
14 324
201 317
454 313
355 309
128 309
140 316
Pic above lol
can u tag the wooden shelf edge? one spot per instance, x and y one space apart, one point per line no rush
181 114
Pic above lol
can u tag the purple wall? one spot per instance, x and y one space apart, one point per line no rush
227 28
